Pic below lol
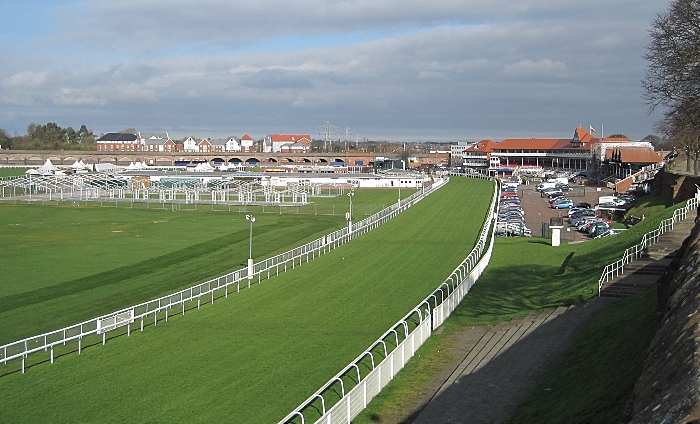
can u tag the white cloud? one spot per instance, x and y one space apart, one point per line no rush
25 80
387 68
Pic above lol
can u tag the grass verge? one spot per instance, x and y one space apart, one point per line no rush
526 275
594 378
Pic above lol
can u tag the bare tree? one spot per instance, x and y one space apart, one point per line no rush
673 74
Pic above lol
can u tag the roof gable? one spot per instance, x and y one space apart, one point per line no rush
118 137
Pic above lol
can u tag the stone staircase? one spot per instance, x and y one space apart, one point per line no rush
646 271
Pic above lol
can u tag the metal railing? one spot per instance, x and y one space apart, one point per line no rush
150 309
617 268
430 314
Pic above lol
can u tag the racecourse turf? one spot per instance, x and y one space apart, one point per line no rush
62 264
256 355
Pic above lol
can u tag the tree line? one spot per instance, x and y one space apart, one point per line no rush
49 137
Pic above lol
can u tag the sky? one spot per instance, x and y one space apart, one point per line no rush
397 70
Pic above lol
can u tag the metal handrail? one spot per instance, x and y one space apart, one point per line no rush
635 252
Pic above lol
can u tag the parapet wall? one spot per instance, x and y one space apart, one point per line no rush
668 391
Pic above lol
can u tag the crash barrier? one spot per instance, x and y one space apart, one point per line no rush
617 268
207 290
357 384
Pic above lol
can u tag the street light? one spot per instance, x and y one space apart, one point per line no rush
250 218
352 193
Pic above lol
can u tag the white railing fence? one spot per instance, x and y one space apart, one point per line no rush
424 318
209 290
617 268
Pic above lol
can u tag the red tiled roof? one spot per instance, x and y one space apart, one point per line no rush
635 155
291 138
481 146
582 140
246 137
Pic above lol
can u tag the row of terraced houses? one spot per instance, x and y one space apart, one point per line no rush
127 142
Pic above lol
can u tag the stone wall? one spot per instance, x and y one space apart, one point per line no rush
677 187
668 390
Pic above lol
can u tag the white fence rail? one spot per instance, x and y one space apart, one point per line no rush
430 314
617 268
150 310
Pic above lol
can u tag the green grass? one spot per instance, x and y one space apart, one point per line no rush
12 172
63 265
525 276
594 378
256 355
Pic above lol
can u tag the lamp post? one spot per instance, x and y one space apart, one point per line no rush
352 193
250 218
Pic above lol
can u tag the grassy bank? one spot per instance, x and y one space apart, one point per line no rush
527 275
593 379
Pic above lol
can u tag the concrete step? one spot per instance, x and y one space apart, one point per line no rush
647 270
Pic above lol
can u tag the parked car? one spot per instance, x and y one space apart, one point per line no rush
562 204
556 199
507 195
562 187
584 205
609 232
598 228
554 193
581 215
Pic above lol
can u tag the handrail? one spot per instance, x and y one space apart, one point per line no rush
635 252
125 317
486 237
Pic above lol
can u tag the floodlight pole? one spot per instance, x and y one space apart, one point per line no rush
250 218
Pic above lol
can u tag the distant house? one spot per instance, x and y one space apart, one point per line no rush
123 142
232 145
189 145
158 143
205 146
295 148
247 143
273 142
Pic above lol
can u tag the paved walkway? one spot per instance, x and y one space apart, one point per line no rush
505 363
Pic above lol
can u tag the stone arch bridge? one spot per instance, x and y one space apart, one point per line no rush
68 157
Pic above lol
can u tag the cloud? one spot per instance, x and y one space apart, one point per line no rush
387 68
540 68
25 80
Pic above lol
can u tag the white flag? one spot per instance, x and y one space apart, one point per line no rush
591 129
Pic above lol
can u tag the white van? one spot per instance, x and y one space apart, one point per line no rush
544 186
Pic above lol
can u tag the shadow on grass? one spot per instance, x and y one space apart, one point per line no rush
562 268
